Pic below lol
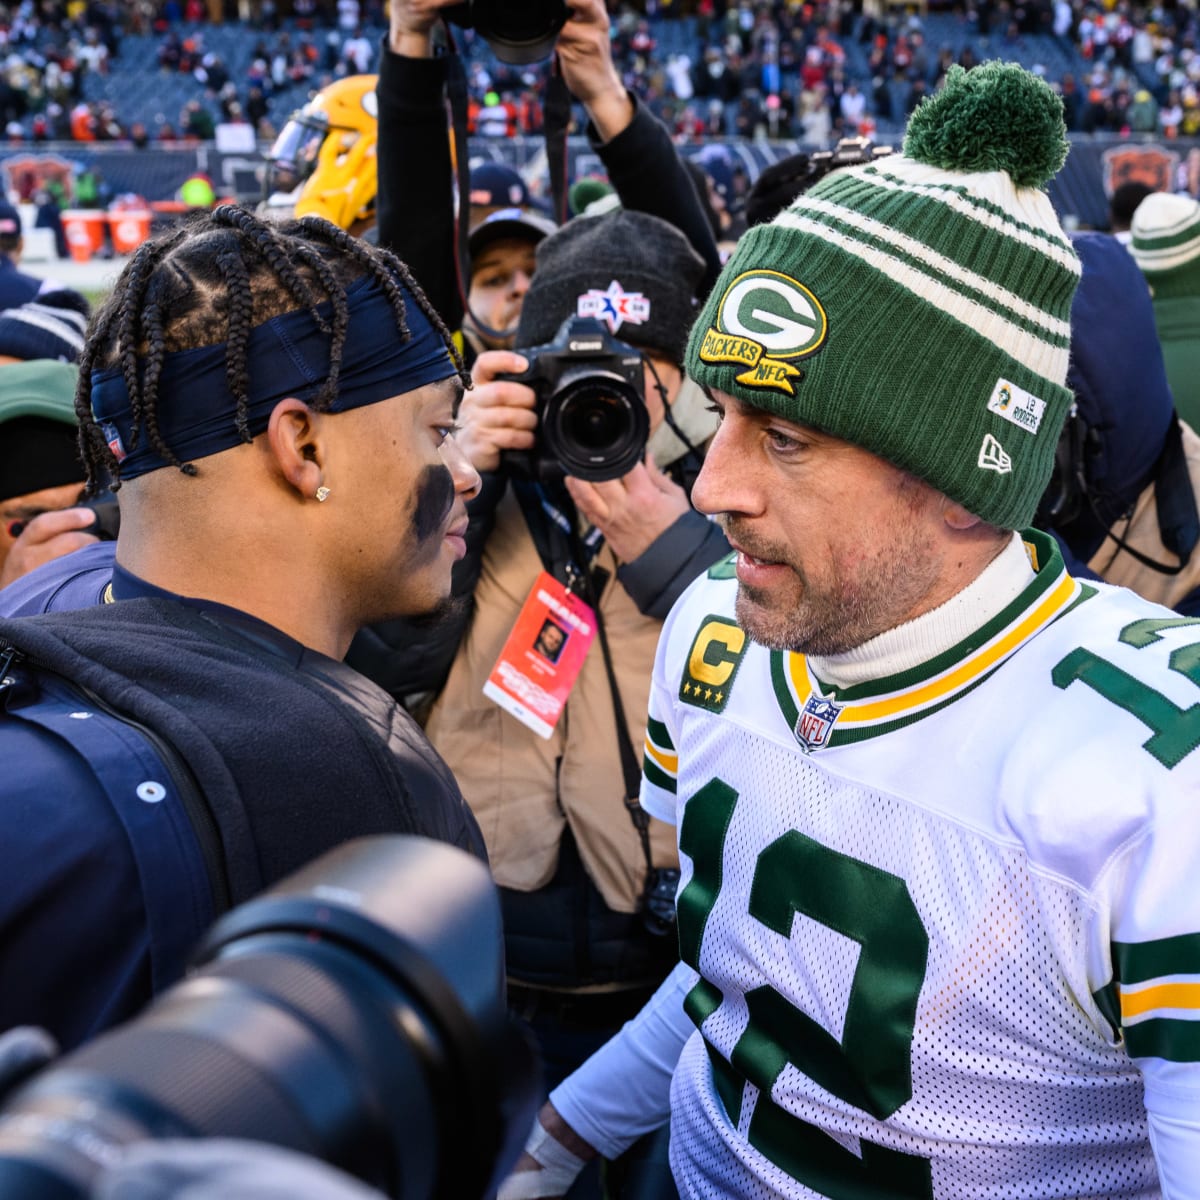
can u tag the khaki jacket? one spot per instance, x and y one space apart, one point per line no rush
522 789
1113 565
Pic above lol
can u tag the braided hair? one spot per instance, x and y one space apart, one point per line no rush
214 280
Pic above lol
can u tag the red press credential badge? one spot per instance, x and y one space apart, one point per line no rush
543 656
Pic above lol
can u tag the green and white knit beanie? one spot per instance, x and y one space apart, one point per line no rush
1166 243
918 306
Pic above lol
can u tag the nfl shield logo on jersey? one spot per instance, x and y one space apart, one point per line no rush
816 722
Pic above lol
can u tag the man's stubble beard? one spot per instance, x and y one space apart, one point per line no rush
852 612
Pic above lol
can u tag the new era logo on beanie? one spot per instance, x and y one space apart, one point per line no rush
893 303
634 272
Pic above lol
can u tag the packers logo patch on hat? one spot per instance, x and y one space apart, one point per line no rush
764 320
713 661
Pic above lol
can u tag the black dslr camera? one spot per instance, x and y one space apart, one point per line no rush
348 1013
518 31
591 405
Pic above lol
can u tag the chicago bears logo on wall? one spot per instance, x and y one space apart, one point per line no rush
765 321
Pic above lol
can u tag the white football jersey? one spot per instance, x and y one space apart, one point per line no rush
947 923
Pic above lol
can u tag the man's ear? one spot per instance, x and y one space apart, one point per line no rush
294 442
957 517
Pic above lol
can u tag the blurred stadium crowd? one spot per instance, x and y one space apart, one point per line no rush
149 72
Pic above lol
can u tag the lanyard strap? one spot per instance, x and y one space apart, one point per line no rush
589 580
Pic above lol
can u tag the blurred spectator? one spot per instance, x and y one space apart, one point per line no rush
16 287
196 121
197 192
1122 205
42 475
1166 245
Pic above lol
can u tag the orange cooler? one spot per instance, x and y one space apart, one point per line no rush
84 229
129 229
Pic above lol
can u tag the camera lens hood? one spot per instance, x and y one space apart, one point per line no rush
596 426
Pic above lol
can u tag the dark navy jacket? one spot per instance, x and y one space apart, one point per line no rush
15 286
292 752
1120 384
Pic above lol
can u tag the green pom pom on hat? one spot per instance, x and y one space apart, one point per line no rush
919 305
995 117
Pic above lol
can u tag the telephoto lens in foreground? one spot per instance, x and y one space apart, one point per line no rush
355 1013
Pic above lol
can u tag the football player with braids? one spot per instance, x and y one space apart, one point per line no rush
276 406
935 798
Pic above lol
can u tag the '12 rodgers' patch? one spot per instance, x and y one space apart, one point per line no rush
765 320
712 663
1017 406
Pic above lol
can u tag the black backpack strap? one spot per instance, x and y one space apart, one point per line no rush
171 833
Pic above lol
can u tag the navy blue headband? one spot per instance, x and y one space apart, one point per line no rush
287 356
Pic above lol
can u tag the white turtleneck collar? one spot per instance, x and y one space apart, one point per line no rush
917 641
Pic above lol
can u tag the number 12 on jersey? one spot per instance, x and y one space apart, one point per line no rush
871 1066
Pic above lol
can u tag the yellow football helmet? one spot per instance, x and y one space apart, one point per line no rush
326 154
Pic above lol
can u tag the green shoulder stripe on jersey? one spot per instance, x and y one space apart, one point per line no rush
1139 962
879 707
1156 992
712 662
725 568
657 776
1176 1041
657 732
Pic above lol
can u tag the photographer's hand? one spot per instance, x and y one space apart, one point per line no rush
410 26
585 56
496 414
631 511
46 537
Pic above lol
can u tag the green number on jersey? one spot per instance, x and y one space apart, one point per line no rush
871 1067
1176 731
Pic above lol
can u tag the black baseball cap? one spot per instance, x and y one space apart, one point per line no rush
494 185
520 223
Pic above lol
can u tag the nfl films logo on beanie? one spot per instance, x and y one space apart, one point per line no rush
765 321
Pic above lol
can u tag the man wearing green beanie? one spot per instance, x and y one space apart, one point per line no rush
1165 243
934 798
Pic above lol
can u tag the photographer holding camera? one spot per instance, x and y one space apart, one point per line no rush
418 223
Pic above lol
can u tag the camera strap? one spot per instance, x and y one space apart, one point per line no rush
557 109
593 583
457 94
1175 504
590 581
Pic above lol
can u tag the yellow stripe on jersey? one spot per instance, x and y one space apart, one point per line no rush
1149 998
963 675
668 762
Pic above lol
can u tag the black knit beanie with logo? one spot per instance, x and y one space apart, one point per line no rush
635 273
